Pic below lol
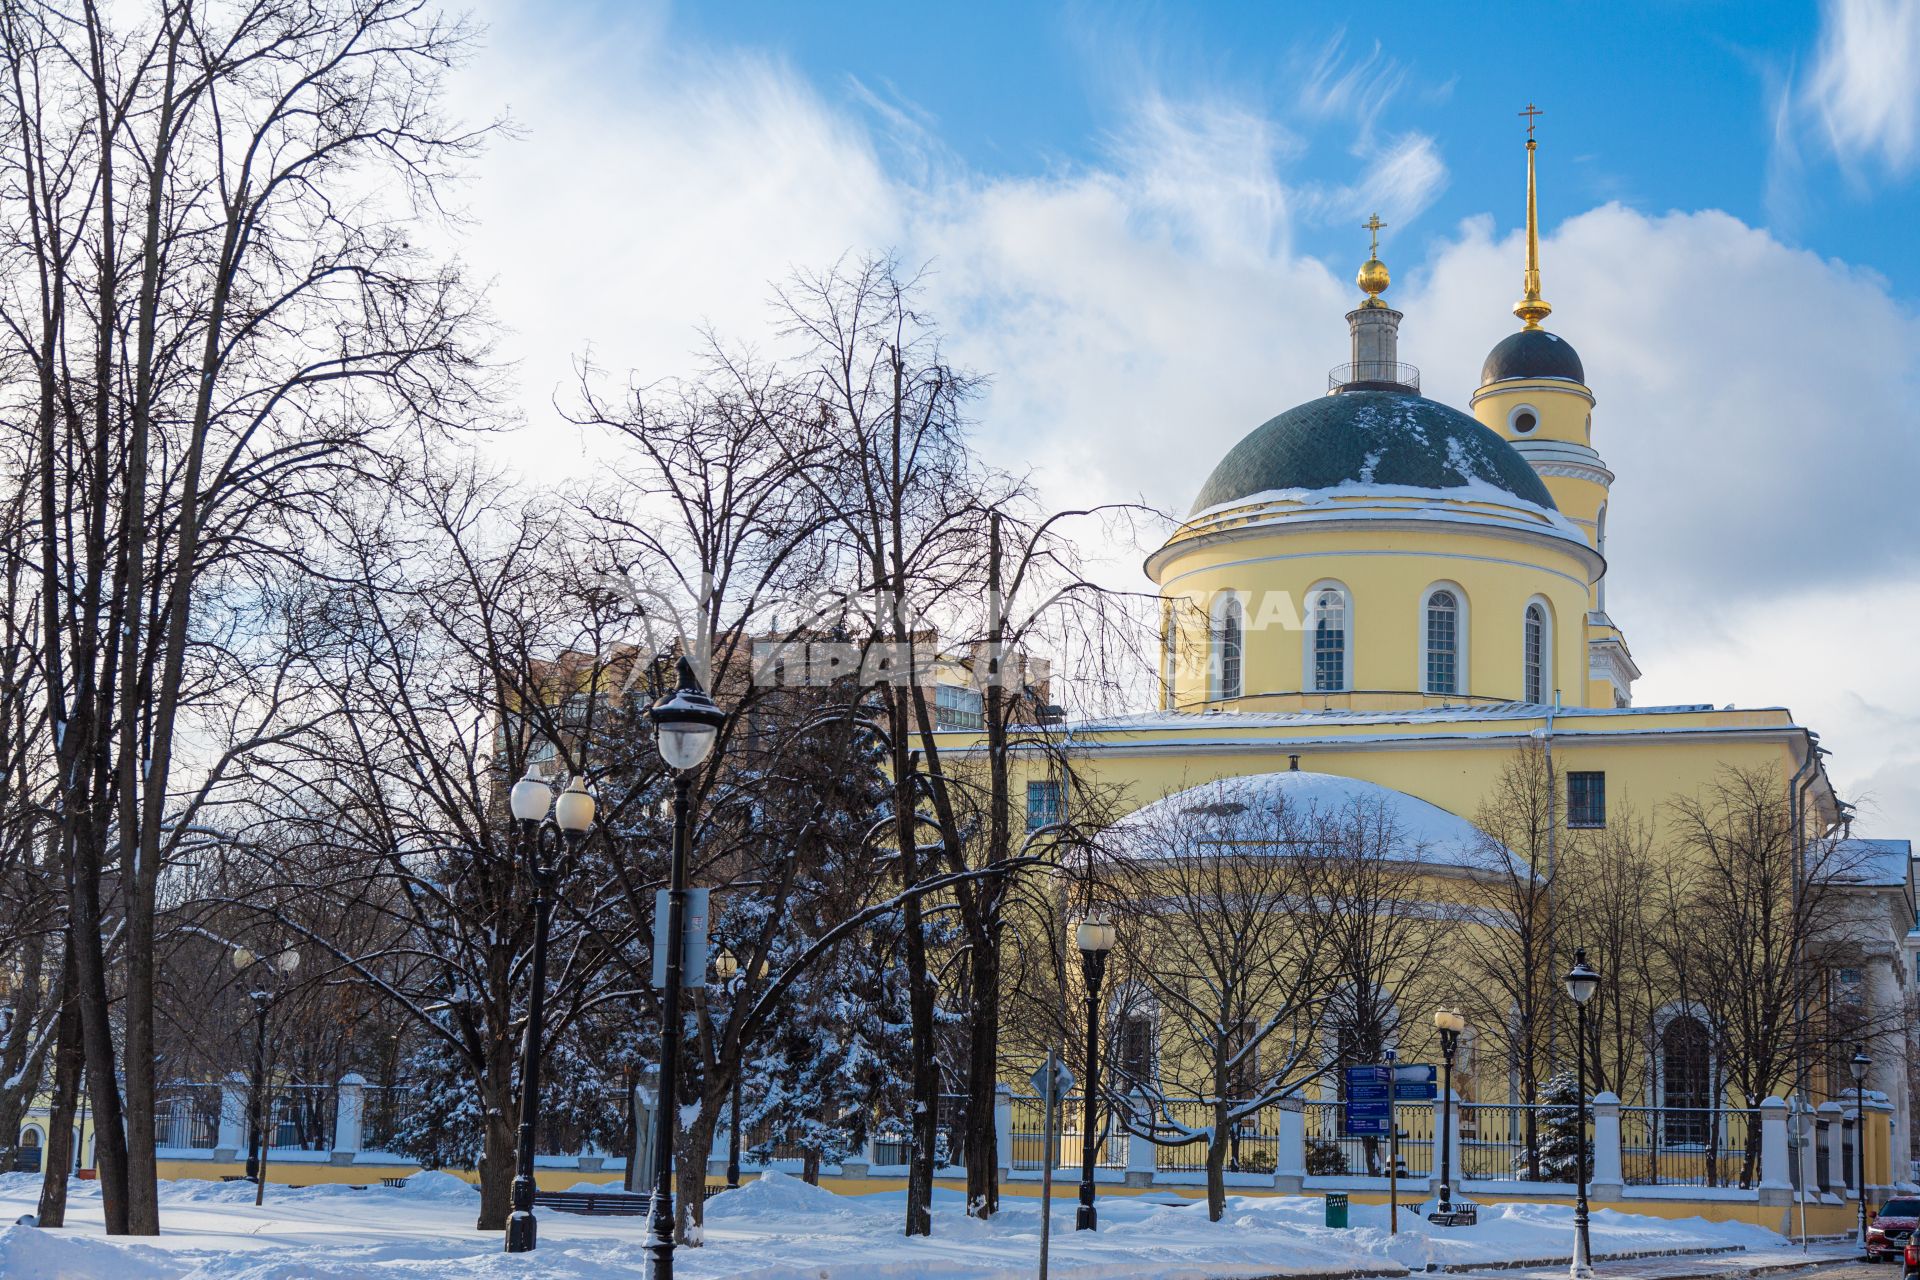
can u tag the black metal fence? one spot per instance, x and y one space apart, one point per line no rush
187 1116
1515 1142
1689 1147
1332 1151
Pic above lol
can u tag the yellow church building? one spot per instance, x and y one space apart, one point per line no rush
1378 594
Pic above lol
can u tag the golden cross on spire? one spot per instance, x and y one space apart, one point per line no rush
1530 113
1374 224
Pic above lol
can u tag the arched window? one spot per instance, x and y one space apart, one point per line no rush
1535 654
1686 1080
1229 624
1443 642
1328 649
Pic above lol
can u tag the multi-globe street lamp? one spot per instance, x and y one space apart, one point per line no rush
1858 1066
686 723
572 816
278 966
1449 1024
1094 937
1582 981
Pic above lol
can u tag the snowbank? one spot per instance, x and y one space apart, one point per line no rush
778 1228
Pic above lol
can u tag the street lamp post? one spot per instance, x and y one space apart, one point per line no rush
1858 1066
725 965
1582 982
572 816
1449 1024
686 722
1094 937
277 966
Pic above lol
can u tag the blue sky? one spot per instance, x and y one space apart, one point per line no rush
1142 225
1657 106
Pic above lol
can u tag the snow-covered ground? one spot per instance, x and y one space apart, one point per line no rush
778 1228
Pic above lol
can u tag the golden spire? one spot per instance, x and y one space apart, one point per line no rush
1373 278
1532 308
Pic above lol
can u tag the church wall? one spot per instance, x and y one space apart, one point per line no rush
1387 573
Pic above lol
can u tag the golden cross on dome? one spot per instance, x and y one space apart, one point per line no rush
1374 224
1530 113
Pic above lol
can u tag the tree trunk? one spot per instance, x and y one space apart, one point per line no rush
1217 1165
96 1032
690 1174
143 1172
69 1056
497 1153
981 1133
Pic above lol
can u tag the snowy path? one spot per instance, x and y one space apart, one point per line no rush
781 1229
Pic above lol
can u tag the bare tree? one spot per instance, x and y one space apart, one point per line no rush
1510 960
1220 928
210 271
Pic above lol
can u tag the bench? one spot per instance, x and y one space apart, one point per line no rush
597 1203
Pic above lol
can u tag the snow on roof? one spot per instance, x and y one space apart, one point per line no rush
1873 862
1474 502
1148 720
1423 832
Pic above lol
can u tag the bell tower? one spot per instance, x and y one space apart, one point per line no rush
1533 391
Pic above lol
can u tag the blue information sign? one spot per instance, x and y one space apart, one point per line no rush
1369 1109
1415 1082
1372 1091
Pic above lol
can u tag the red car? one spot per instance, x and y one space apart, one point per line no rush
1889 1230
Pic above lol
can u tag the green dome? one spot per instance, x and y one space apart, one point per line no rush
1370 438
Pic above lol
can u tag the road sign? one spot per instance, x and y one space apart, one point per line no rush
1062 1079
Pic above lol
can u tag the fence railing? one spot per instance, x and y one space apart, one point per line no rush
1689 1147
893 1138
301 1117
1516 1142
187 1116
1331 1151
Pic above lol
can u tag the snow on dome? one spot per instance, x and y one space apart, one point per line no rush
1423 832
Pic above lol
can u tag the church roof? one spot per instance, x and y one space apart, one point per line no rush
1368 438
1533 353
1229 812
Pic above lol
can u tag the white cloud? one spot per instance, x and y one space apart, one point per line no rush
1141 314
1864 87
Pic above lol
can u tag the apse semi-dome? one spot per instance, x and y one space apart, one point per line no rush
1532 353
1371 439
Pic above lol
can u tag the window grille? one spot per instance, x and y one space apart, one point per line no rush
1227 649
1044 804
1586 799
1443 643
1535 644
1330 643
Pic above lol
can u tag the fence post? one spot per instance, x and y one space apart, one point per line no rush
232 1132
1878 1122
1832 1172
1849 1179
1290 1157
1609 1183
1776 1176
348 1117
1003 1131
1141 1153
